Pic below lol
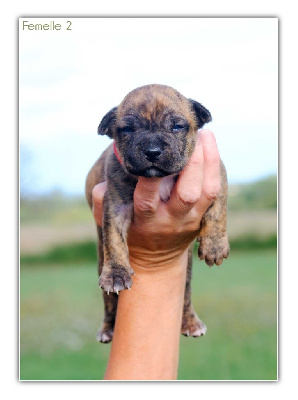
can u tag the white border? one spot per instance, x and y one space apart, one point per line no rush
287 242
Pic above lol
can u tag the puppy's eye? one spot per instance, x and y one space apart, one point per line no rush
126 129
178 128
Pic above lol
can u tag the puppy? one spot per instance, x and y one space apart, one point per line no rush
154 131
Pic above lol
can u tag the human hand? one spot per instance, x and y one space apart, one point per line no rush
161 232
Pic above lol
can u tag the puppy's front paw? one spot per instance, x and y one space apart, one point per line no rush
105 334
213 249
115 278
193 326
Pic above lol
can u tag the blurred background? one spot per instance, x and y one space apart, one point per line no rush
68 80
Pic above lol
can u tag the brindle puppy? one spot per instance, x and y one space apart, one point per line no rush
154 131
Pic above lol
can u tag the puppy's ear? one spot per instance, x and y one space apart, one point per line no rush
203 116
107 123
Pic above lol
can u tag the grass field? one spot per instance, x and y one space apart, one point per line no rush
61 309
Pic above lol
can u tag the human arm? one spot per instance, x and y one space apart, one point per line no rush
146 336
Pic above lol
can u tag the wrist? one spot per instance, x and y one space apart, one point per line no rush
164 283
163 263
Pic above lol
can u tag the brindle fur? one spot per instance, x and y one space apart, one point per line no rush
151 110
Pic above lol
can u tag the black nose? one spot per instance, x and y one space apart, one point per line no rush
153 153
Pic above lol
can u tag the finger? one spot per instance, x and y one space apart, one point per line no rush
211 178
146 196
188 187
97 201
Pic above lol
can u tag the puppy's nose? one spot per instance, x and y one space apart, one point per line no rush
152 153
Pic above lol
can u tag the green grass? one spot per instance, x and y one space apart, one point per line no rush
61 309
237 301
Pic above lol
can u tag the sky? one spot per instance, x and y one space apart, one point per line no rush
69 79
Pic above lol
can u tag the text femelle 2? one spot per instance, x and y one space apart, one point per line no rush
49 26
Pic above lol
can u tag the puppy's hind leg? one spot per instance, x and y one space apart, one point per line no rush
105 334
191 323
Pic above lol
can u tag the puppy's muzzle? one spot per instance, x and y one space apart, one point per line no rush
152 153
148 156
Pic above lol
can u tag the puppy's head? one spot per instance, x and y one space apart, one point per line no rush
154 129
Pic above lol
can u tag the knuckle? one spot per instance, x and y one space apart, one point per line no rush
211 196
187 200
145 207
211 191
